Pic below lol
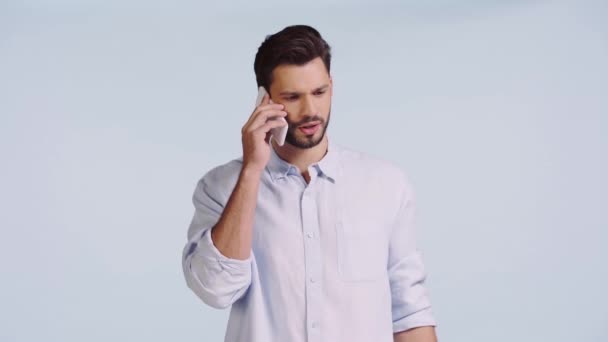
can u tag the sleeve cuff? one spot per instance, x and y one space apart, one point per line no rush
420 318
228 264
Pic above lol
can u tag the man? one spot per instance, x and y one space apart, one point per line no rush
309 241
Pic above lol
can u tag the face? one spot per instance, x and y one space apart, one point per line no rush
305 91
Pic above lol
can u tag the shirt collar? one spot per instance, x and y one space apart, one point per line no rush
327 166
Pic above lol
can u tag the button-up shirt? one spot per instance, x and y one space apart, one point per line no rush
331 260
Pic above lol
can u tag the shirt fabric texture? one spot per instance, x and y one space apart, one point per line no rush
332 260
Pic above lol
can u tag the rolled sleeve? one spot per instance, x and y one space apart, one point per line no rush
411 306
216 279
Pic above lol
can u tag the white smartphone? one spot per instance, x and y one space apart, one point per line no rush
278 133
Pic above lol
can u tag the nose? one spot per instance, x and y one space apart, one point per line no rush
309 107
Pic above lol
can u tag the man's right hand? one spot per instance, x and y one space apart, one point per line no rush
256 133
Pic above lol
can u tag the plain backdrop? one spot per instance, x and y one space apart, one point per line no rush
110 111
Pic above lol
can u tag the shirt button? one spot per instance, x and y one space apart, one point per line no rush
315 324
312 279
310 235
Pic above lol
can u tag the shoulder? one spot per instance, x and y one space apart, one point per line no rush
373 167
375 184
220 180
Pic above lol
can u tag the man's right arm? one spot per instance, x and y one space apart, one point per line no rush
217 258
233 233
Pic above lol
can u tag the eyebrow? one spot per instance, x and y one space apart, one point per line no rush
287 92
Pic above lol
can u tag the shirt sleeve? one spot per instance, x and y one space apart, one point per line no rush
411 306
217 280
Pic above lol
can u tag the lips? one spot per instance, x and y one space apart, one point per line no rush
310 124
310 129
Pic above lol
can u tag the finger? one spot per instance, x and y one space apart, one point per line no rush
270 124
270 106
264 131
264 105
260 110
263 117
267 101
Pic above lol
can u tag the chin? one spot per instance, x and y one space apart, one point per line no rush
303 141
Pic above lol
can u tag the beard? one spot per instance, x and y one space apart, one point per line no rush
298 139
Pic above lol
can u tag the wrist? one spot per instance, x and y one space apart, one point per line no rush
250 172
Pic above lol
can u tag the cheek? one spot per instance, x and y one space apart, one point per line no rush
326 100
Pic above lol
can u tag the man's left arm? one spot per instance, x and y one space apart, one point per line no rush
419 334
413 320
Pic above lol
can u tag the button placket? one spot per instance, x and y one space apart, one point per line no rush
312 255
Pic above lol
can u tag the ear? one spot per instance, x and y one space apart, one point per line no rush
331 86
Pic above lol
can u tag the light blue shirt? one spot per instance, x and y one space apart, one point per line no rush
332 260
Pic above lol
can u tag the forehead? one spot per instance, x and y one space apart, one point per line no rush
300 77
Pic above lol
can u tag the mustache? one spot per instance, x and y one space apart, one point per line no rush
307 120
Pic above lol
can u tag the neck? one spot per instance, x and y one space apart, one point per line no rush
302 158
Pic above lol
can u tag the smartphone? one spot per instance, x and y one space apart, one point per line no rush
278 133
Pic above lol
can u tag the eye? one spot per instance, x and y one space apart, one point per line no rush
293 98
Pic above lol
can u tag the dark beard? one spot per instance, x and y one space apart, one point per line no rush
307 142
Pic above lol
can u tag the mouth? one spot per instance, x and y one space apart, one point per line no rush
310 127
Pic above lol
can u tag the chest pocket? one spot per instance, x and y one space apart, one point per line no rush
361 251
361 243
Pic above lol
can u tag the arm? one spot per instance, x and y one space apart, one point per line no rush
419 334
233 233
217 258
413 320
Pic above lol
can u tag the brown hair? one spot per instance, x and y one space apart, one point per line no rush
296 44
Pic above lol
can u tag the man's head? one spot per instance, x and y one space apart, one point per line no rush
293 65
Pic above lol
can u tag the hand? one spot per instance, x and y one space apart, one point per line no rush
256 133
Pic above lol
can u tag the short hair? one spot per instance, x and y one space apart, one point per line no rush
294 45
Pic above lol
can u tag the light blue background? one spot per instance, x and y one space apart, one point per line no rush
112 110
